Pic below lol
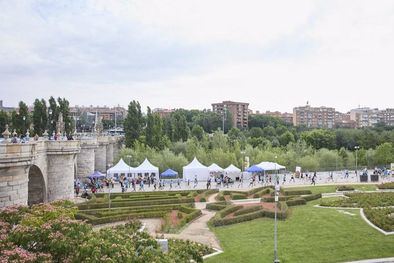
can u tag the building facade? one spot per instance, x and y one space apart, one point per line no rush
163 113
314 117
106 113
239 112
387 116
367 117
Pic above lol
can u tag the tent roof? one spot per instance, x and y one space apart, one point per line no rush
96 174
215 168
146 166
270 166
254 169
120 167
194 164
169 172
232 169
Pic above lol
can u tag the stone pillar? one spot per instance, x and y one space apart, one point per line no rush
15 160
110 152
60 161
86 158
100 162
116 146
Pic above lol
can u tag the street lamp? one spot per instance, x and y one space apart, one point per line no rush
277 188
356 148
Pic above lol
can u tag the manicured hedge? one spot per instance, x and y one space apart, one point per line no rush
296 201
381 217
228 210
272 199
311 197
92 205
386 186
259 189
238 219
103 220
236 196
345 188
247 210
216 206
297 192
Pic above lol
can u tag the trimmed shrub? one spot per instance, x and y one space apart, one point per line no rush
259 189
297 192
216 206
89 205
228 210
236 196
237 219
311 197
386 186
296 201
247 210
345 188
202 199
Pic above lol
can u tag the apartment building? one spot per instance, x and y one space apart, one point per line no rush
106 113
314 117
239 112
285 116
164 113
387 116
367 117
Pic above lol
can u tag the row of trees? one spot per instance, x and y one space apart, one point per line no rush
219 149
43 117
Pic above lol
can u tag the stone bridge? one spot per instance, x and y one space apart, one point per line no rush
44 170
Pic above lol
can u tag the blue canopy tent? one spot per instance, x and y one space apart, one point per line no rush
255 169
169 173
96 175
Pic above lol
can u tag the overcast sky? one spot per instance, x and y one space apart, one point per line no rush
183 53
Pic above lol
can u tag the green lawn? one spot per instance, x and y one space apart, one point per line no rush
332 188
309 235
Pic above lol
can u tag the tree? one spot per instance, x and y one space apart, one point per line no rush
149 128
53 115
22 119
133 123
180 131
286 138
64 108
319 138
256 132
4 120
384 154
40 117
198 132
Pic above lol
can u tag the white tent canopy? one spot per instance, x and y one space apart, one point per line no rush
146 167
214 168
195 169
120 168
270 166
232 171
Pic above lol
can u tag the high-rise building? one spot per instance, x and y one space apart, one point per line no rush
314 117
365 117
164 113
285 116
387 116
239 112
106 113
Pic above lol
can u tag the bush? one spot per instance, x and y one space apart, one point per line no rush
216 206
247 210
238 219
381 217
386 186
260 189
345 188
236 196
228 210
296 201
202 199
297 192
311 197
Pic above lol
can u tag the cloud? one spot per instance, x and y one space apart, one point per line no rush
183 53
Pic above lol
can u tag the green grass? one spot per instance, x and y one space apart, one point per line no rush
309 235
331 188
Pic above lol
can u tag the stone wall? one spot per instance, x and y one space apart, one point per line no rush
101 155
86 158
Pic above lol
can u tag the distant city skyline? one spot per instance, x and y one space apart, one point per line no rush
275 55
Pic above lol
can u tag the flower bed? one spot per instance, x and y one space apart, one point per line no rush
362 200
381 217
49 233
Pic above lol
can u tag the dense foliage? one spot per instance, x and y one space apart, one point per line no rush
381 217
361 200
49 233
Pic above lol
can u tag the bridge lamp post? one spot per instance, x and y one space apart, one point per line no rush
356 148
277 188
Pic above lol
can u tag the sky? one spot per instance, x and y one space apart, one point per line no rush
274 55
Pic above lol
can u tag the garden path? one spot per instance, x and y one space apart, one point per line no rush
197 231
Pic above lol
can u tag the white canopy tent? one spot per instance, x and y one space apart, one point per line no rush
214 168
147 168
270 166
195 168
232 171
120 168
